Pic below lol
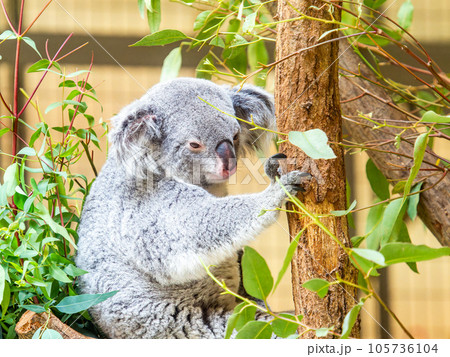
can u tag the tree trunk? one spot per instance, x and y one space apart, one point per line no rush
30 322
434 204
307 97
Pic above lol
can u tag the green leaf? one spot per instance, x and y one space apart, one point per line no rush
257 279
154 16
217 41
283 328
371 255
419 152
11 179
432 117
4 131
288 258
142 8
204 67
231 324
257 54
320 286
249 23
59 274
357 240
323 332
377 181
74 304
200 21
31 43
2 282
245 314
393 214
72 270
399 187
7 35
255 330
374 4
6 298
53 106
48 334
35 308
399 252
413 201
405 14
171 66
314 143
363 265
43 213
27 151
161 38
344 213
350 319
39 66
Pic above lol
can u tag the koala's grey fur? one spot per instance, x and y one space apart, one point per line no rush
149 220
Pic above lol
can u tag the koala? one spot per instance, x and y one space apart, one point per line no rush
153 215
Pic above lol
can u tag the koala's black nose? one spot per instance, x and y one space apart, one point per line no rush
226 153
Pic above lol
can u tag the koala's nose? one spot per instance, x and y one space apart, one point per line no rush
226 154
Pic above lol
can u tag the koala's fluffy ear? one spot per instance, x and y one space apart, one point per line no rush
135 140
249 103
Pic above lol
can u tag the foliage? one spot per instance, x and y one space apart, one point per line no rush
237 35
41 196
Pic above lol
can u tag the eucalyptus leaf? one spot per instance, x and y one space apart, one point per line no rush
342 212
399 252
78 303
413 201
249 23
419 152
431 117
154 16
200 21
350 319
255 330
171 66
35 308
283 328
314 143
405 14
161 38
11 179
258 281
377 180
371 255
320 286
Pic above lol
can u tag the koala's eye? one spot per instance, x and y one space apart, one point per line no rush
195 146
236 137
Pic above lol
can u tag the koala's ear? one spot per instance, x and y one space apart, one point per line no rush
135 139
249 103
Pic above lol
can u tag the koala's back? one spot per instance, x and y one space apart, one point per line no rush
122 247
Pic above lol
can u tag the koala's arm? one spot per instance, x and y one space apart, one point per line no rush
211 229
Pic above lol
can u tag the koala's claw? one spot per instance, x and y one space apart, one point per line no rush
295 181
272 166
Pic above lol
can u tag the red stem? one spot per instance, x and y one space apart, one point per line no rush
45 73
16 84
8 19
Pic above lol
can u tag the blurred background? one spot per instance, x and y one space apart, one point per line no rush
122 74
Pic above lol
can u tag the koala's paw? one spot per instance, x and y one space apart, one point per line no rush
295 181
272 165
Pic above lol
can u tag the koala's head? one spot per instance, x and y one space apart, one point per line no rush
186 129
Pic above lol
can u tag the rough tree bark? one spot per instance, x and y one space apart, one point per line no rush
307 97
434 204
30 322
